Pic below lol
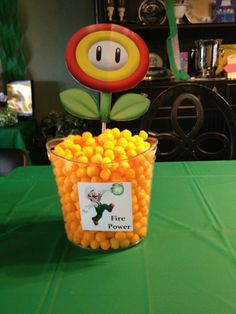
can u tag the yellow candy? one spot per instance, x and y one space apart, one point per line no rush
126 133
120 235
68 143
72 226
76 148
140 148
85 179
59 151
143 134
86 135
105 174
81 172
109 153
130 174
124 243
116 132
143 231
108 145
131 153
83 159
135 238
106 160
99 150
107 132
119 150
109 157
100 236
105 245
90 141
73 178
68 167
88 236
137 226
71 137
96 179
77 237
88 151
122 142
97 158
114 243
108 137
143 220
92 171
94 244
116 177
130 146
77 139
85 243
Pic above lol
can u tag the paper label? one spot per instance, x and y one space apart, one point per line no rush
105 206
226 2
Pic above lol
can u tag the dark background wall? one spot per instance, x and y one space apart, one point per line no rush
47 27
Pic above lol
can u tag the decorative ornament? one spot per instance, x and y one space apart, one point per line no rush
117 188
172 44
107 58
12 57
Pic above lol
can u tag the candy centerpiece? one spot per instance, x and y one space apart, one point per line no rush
104 181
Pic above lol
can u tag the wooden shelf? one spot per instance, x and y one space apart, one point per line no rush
148 27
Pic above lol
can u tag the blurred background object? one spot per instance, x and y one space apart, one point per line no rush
11 54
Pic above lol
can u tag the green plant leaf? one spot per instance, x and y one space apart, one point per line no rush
79 103
129 107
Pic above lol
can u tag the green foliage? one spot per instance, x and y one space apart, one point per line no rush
129 107
11 54
79 103
57 124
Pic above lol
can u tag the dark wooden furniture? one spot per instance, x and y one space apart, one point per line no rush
10 158
192 122
155 36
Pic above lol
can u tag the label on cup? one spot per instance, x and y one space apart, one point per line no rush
105 206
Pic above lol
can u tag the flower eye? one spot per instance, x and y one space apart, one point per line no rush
117 56
107 55
99 53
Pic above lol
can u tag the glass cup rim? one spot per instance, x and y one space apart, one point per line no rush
152 140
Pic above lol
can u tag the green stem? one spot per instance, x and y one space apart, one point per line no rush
105 106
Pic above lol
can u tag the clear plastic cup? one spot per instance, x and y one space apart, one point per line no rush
104 205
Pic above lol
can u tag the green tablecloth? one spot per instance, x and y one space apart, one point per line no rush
186 265
19 136
11 137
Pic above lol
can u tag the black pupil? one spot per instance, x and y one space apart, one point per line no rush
99 53
117 56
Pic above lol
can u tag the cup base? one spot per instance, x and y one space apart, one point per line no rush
110 249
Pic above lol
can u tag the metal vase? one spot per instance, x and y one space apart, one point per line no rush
206 56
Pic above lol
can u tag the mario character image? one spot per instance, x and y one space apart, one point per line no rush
95 199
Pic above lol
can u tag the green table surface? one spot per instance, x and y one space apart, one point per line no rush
186 264
19 136
11 137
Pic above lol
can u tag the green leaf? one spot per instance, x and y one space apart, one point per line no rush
79 103
129 107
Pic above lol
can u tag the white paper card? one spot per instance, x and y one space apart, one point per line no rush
105 206
226 2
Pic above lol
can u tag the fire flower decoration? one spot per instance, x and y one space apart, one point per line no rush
107 58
